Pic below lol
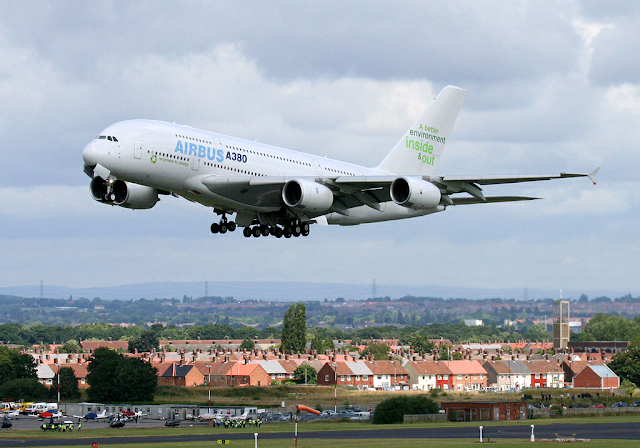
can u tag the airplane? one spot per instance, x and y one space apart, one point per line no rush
239 418
280 192
11 414
93 415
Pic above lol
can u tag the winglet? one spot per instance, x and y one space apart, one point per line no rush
592 175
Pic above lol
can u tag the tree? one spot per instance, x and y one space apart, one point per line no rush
15 365
294 329
147 341
69 347
627 364
115 378
247 344
305 373
608 327
379 351
27 389
394 409
419 342
68 384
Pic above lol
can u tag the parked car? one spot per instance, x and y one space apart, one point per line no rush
635 404
619 404
576 405
598 405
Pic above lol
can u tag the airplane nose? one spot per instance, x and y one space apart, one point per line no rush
90 155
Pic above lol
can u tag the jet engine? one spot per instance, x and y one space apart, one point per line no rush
123 194
307 195
414 193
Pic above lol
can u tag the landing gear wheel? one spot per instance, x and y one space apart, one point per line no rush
287 232
246 232
223 227
296 231
256 231
231 226
264 230
215 227
305 232
277 232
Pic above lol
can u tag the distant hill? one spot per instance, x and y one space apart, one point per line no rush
289 291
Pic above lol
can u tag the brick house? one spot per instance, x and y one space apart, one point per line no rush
181 375
484 410
248 375
598 377
545 373
427 375
388 374
350 373
466 375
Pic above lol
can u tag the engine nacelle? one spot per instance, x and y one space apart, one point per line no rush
415 193
123 194
307 195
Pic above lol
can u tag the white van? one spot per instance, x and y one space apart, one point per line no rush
361 416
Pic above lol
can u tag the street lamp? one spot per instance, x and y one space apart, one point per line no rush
209 382
58 366
335 394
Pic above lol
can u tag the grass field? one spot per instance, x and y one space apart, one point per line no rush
221 433
371 443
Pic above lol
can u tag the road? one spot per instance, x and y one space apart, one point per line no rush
627 431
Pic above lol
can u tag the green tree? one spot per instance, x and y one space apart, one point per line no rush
247 344
379 351
608 327
69 347
68 385
305 372
418 342
294 329
627 364
394 409
27 389
147 341
15 365
115 378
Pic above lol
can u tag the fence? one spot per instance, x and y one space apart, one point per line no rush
419 418
576 412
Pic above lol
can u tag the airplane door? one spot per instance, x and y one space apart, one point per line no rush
317 166
195 163
137 150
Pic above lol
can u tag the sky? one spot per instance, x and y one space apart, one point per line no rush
552 86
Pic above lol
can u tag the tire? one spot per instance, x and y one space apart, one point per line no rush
223 228
296 231
277 232
264 230
305 232
246 232
231 226
215 227
287 232
256 231
305 228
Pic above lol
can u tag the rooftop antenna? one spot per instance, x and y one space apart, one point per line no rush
41 289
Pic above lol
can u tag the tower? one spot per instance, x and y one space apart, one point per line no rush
560 324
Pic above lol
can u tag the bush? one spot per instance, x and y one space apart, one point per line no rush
394 409
27 389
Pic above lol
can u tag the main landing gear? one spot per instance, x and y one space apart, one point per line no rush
223 226
294 228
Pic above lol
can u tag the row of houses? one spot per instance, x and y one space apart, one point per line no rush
188 366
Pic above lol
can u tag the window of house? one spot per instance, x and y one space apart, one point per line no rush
326 377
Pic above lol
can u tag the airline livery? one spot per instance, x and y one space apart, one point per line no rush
279 192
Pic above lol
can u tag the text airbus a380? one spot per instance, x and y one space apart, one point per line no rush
276 191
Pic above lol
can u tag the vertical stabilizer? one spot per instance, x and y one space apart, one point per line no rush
419 150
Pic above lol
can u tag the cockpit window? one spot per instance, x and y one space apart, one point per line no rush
102 137
115 139
109 138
